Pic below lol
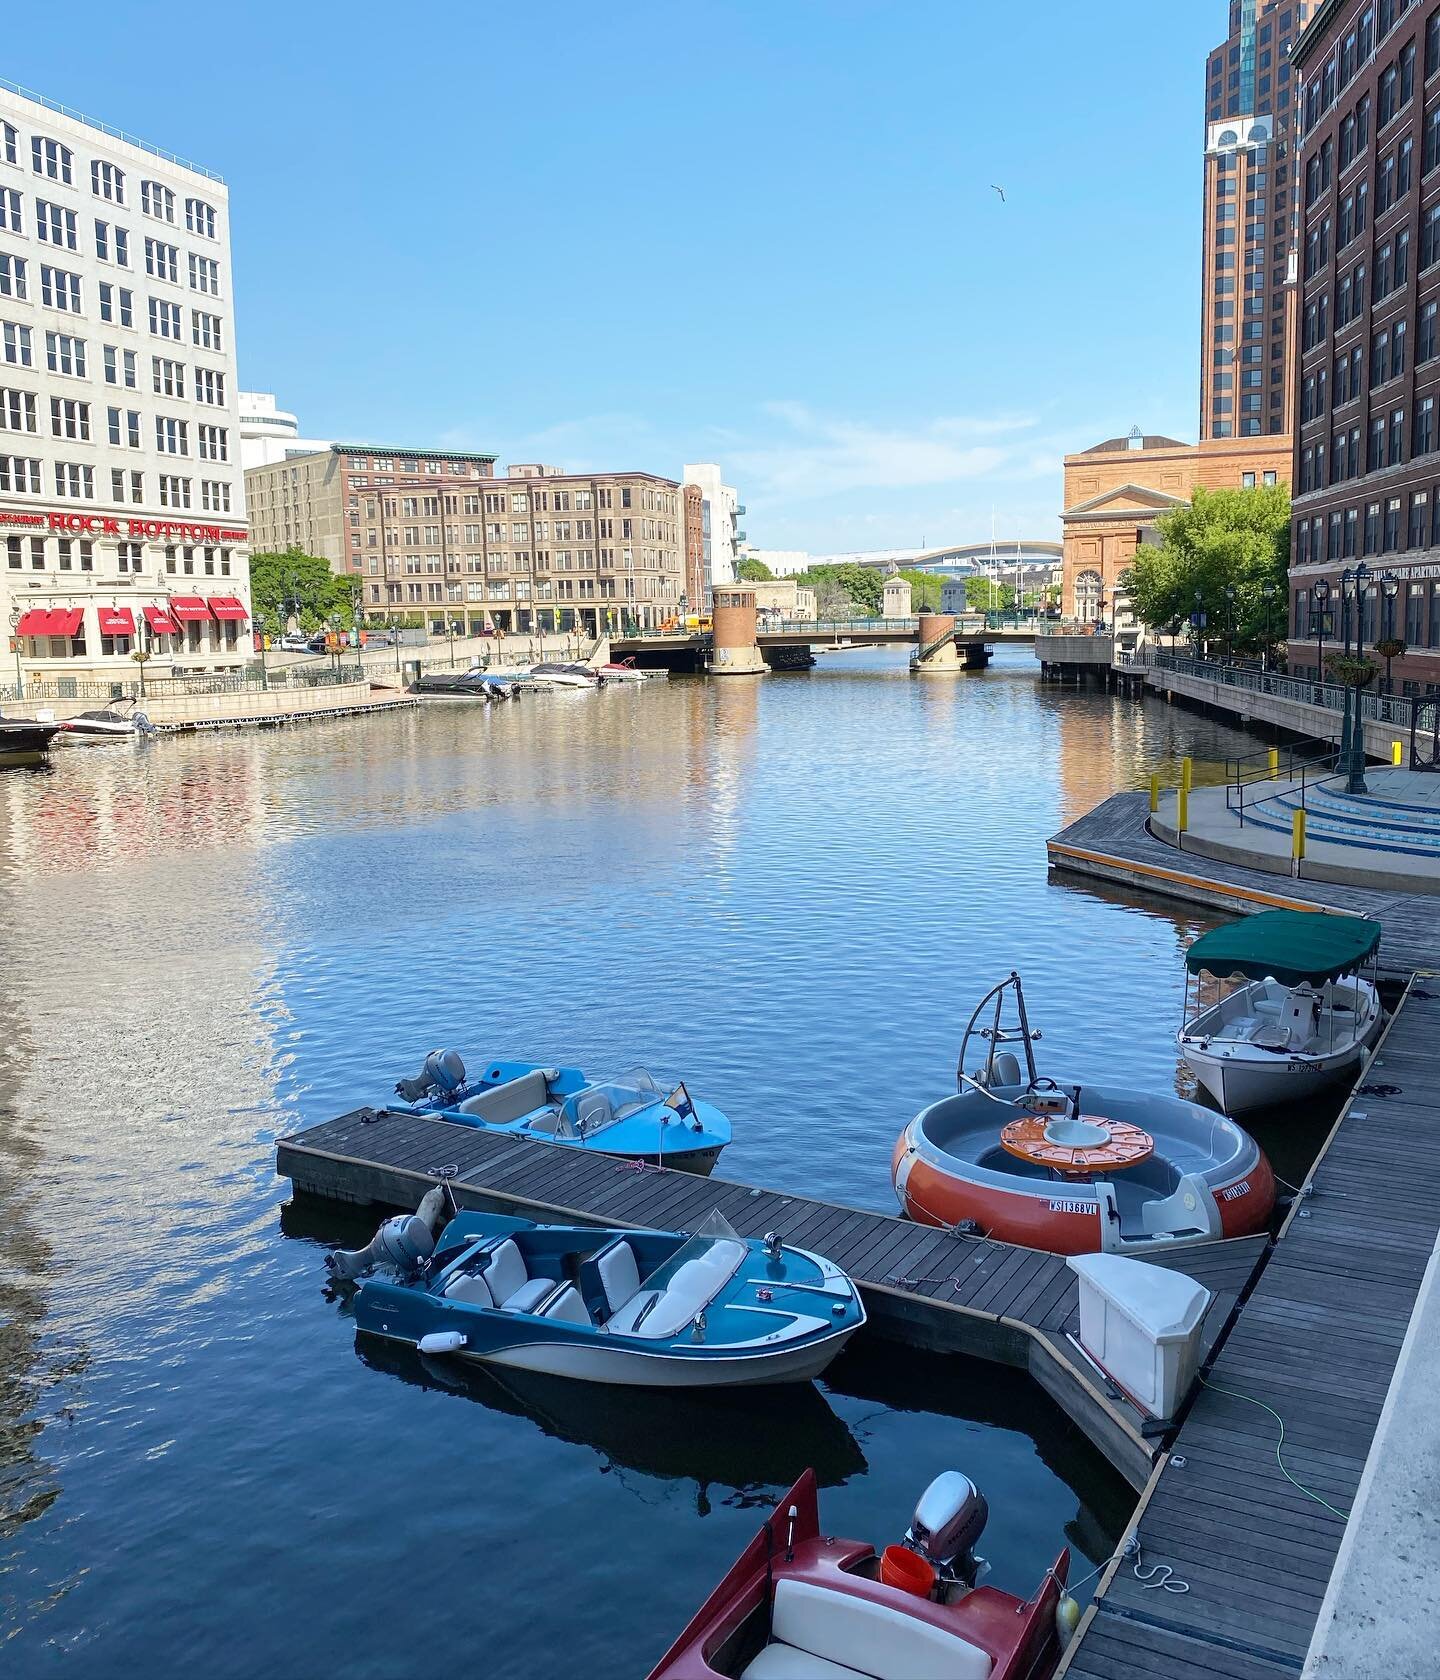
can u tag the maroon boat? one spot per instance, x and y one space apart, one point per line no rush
801 1606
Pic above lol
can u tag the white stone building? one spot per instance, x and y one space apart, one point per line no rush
269 433
721 513
122 500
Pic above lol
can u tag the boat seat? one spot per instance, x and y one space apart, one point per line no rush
471 1288
593 1111
818 1634
619 1274
511 1101
566 1305
529 1295
623 1322
1271 1036
693 1286
509 1279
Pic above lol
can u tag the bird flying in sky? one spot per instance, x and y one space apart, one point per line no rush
1000 190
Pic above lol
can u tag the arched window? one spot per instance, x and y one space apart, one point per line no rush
1087 597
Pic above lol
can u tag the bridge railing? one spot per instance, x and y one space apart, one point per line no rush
1381 708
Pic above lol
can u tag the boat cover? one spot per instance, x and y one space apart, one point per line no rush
1290 946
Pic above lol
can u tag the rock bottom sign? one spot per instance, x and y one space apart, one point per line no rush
108 525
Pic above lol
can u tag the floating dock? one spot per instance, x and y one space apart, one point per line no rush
932 1288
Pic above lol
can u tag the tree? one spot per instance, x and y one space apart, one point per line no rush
1222 539
300 586
983 594
751 570
925 590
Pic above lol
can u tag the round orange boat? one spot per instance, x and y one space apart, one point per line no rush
1074 1168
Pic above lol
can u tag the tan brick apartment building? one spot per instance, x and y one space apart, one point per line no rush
1367 452
1247 328
440 537
695 577
1117 488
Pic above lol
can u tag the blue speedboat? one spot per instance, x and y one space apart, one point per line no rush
628 1116
649 1309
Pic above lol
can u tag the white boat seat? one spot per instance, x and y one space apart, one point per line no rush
593 1111
623 1322
1272 1036
694 1285
469 1287
510 1101
619 1274
789 1662
878 1641
529 1295
566 1305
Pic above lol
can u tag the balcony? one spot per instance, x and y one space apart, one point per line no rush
741 510
741 536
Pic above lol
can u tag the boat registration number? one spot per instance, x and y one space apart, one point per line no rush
1236 1191
1072 1207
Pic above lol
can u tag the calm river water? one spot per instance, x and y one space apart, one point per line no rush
790 892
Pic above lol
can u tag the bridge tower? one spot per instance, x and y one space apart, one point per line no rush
735 651
936 649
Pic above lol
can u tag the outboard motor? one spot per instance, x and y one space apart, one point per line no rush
948 1522
403 1242
442 1076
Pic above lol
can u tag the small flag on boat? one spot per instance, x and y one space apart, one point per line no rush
679 1100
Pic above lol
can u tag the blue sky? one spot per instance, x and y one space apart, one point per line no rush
760 232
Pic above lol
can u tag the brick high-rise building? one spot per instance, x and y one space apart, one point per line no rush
1367 451
1247 330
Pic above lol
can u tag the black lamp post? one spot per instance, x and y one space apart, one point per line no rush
1230 622
1352 726
1197 618
1390 588
1268 592
1320 595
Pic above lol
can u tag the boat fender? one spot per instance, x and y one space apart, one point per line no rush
441 1341
1067 1618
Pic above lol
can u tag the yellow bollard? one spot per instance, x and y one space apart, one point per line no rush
1396 754
1297 836
1154 794
1182 807
1187 768
1274 762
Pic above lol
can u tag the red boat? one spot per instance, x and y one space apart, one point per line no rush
801 1606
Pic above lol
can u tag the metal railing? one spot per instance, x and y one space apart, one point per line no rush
1379 708
105 128
50 687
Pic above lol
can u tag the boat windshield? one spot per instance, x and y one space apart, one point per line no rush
715 1245
607 1102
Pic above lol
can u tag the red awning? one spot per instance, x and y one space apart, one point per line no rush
161 622
116 621
189 609
227 607
56 621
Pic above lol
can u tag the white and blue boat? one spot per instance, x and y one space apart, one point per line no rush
648 1309
628 1116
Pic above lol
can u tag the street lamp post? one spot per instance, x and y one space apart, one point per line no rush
1320 595
1197 619
15 643
1352 724
1230 622
1390 587
1268 591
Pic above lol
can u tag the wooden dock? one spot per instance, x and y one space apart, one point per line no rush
1112 844
1315 1343
933 1288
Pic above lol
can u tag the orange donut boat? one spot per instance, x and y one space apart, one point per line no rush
1075 1168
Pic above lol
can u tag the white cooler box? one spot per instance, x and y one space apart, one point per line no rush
1141 1325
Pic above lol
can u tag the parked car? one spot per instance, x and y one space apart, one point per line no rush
316 643
293 644
379 638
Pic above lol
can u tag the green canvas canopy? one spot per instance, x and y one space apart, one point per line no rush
1289 945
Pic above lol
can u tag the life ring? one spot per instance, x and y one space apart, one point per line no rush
1088 1143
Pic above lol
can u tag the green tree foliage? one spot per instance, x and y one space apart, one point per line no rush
925 590
754 571
300 588
862 586
1223 539
983 594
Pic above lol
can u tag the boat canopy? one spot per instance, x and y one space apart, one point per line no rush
1290 946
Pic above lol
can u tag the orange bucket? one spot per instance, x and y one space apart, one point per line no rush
902 1568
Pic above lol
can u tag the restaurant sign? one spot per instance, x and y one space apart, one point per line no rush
113 525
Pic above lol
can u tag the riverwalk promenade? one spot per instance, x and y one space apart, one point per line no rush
1295 1503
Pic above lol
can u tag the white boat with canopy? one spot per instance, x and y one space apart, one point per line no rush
1285 1003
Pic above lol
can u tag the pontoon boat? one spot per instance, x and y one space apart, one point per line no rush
1302 1016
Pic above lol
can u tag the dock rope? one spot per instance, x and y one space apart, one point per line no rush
1158 1576
1309 1493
